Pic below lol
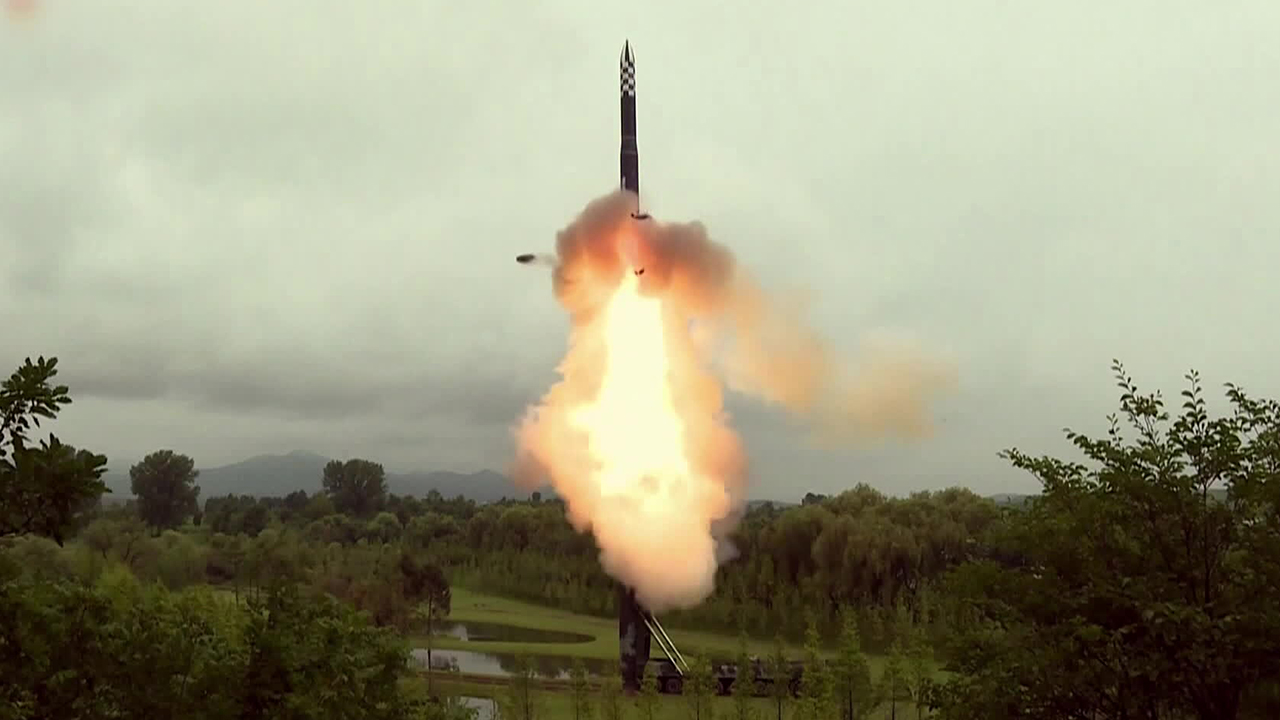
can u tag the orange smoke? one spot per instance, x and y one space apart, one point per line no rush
20 9
635 437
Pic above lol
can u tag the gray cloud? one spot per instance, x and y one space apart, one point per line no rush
253 227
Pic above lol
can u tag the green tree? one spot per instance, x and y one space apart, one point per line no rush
427 585
384 528
815 702
919 671
853 684
744 680
165 485
780 671
43 489
647 700
1140 584
356 487
699 687
894 686
611 697
580 691
522 701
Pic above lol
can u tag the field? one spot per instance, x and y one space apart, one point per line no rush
478 607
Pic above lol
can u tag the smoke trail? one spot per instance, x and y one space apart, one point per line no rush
757 345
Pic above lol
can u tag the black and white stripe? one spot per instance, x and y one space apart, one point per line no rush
628 79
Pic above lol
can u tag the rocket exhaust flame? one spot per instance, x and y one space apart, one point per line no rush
635 437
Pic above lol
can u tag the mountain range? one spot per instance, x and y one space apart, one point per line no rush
279 475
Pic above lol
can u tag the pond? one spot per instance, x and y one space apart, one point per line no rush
486 708
505 664
497 632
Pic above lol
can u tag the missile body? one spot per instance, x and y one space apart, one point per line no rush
629 157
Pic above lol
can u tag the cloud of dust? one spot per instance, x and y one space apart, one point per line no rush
720 329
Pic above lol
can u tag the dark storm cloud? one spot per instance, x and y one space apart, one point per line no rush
250 227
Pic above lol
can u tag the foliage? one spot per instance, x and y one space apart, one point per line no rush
611 697
165 485
1141 585
521 701
744 682
120 648
647 700
43 489
579 688
699 687
816 696
779 670
855 693
357 487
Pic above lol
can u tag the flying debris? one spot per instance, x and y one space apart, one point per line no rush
526 258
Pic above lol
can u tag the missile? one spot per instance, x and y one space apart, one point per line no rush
628 155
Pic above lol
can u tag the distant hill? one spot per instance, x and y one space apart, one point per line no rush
1016 499
279 475
482 486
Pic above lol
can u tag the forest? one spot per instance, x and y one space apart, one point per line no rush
1141 582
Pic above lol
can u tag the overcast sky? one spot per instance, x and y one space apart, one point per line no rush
250 227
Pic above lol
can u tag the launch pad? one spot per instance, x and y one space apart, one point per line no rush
637 629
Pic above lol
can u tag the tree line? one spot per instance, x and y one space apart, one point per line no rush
1139 583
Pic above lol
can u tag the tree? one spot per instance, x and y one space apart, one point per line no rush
855 690
1141 584
521 697
383 528
743 681
357 487
893 680
579 689
647 700
611 697
815 703
780 671
427 586
699 687
919 670
165 485
43 489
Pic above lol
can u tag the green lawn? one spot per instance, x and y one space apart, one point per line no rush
478 607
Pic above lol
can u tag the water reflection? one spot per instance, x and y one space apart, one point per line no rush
486 708
505 664
497 632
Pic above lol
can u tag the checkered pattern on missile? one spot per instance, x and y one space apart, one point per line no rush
628 79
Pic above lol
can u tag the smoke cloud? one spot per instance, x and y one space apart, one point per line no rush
664 534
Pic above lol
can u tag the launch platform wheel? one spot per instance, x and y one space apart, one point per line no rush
672 686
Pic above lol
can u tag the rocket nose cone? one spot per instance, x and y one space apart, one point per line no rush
627 57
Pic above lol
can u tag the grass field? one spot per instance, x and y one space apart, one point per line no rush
477 607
